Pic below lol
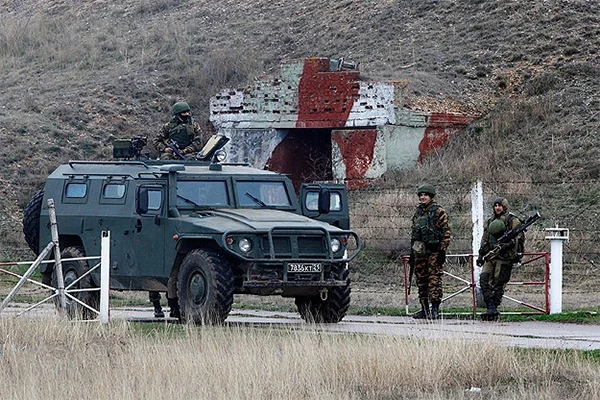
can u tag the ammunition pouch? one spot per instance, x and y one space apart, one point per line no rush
419 248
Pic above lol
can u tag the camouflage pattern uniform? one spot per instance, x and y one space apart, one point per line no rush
496 271
183 130
430 239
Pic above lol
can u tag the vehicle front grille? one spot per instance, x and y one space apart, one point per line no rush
296 246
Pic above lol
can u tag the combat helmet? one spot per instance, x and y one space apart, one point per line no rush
497 228
180 107
426 188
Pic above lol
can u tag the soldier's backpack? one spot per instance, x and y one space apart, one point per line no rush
520 240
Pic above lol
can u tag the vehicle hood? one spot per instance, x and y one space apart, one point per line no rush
255 219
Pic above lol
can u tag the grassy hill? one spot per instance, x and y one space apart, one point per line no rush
75 74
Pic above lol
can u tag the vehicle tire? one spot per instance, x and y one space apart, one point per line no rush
205 287
313 309
72 270
31 221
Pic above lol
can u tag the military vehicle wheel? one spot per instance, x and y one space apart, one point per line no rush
31 221
72 270
205 287
331 310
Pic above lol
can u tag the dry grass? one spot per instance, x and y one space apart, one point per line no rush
52 359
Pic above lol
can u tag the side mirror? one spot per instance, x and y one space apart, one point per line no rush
324 201
142 201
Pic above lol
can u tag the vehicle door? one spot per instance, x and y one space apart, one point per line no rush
338 215
148 230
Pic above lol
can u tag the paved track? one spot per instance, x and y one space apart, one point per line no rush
550 335
534 334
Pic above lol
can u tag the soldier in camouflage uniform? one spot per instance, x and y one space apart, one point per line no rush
183 130
496 271
430 239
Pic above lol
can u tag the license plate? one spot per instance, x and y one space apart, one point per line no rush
304 267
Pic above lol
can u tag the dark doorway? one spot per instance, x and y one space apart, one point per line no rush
305 155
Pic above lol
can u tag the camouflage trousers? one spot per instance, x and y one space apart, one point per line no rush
429 278
153 296
493 278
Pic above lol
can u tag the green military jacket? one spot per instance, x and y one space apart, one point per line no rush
430 227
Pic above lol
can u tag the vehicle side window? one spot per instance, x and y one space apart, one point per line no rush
312 201
114 190
154 199
335 202
76 190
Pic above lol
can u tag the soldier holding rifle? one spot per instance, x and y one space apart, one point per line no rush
497 266
179 137
502 246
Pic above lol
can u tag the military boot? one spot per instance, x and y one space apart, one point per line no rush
158 312
491 313
424 313
174 306
435 310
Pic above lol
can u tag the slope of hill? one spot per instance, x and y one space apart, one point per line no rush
76 72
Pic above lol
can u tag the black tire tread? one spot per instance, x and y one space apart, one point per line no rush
31 221
314 310
218 306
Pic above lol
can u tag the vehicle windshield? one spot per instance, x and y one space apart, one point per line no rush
200 194
260 194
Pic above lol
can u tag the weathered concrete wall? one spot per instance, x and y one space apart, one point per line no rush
368 129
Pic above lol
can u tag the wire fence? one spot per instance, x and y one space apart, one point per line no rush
382 219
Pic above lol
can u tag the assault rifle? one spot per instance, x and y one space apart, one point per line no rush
175 147
508 236
411 269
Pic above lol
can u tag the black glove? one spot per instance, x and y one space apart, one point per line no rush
441 258
479 261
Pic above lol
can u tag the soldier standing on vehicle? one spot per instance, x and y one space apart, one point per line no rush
430 239
181 135
496 270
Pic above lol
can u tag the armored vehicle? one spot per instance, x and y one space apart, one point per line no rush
223 229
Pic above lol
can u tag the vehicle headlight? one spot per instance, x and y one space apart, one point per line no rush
245 245
335 245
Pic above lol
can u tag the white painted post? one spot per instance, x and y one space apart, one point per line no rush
477 219
104 277
556 236
60 281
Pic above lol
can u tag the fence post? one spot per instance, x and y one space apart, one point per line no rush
556 236
26 275
60 281
477 220
104 277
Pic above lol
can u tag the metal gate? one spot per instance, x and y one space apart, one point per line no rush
460 283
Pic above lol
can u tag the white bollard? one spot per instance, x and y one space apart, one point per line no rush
477 220
556 236
104 277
